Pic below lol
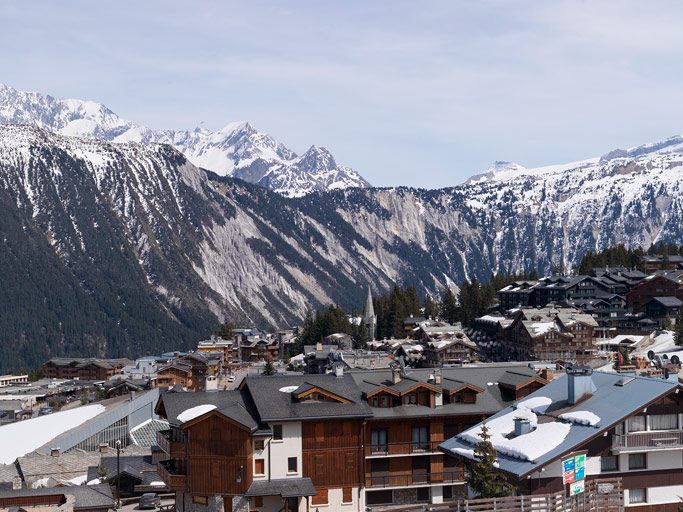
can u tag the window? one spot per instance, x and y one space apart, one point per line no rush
347 495
636 496
636 423
423 494
258 445
637 461
320 498
384 401
609 463
291 465
277 432
379 440
420 439
411 399
258 501
663 421
259 466
200 500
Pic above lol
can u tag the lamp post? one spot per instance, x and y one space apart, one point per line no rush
118 474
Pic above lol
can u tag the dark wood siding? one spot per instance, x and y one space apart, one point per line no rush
332 453
218 450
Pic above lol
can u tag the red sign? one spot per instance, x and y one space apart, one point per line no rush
568 476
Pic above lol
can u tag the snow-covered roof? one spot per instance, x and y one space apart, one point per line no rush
22 437
561 427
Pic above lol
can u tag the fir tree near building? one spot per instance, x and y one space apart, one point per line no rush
678 328
482 477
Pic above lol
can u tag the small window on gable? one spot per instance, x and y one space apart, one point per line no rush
320 498
259 466
258 445
347 495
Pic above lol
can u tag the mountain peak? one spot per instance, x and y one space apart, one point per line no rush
237 149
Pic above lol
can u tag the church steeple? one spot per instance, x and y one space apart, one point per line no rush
369 317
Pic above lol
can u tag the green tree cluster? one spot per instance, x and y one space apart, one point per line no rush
393 308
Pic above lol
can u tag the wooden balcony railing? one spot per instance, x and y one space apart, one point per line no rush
407 448
172 443
414 479
661 439
173 477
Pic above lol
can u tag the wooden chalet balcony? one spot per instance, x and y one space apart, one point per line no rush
406 448
174 478
651 440
414 479
171 443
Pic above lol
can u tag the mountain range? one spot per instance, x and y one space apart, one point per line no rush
237 150
125 248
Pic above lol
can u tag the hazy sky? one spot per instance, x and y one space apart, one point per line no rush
413 93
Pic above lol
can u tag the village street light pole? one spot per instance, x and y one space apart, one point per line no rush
118 474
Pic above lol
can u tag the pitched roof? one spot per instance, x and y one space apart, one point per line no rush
669 302
273 400
285 487
85 496
232 404
145 434
610 401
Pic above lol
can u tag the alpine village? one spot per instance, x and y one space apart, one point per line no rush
205 320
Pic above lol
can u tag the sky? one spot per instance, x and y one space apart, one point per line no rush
423 94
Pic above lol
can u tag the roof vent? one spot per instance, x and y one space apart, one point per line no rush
522 426
579 383
622 382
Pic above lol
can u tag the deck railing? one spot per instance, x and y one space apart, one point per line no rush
651 439
414 479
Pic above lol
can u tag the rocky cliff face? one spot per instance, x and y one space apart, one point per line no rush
123 249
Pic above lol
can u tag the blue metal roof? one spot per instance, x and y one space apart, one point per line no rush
610 401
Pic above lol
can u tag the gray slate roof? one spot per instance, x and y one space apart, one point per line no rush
233 404
273 404
285 487
145 434
139 467
611 402
669 302
86 496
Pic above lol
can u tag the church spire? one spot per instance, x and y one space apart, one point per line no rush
369 317
369 309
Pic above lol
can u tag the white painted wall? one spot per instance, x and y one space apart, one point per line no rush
664 494
290 446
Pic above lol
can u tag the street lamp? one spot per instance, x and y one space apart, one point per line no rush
118 474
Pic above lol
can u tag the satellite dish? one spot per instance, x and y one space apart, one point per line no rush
675 360
651 354
665 356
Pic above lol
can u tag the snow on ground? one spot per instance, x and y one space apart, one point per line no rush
660 345
581 417
95 481
157 484
79 480
195 412
18 439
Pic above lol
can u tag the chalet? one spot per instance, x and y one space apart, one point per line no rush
656 262
227 350
259 349
588 426
189 371
551 334
663 284
340 441
83 368
519 293
445 343
663 308
134 474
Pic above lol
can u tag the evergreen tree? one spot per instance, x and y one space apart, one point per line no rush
482 476
449 306
224 331
269 368
430 308
678 328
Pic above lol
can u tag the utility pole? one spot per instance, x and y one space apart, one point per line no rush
118 474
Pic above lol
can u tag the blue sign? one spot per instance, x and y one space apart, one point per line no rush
567 465
580 473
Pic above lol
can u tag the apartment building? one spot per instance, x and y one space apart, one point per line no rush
335 442
83 368
614 425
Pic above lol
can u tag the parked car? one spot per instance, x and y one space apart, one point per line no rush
149 500
44 411
231 378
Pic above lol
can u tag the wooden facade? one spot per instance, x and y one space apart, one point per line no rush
332 453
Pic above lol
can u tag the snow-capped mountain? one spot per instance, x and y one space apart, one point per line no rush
126 248
236 150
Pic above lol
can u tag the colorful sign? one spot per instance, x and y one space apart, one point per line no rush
577 487
574 468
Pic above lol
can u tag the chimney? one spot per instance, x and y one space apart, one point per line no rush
16 483
54 452
547 374
104 447
522 426
579 383
318 347
339 369
395 375
437 375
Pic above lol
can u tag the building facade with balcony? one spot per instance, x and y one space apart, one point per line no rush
625 428
328 442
